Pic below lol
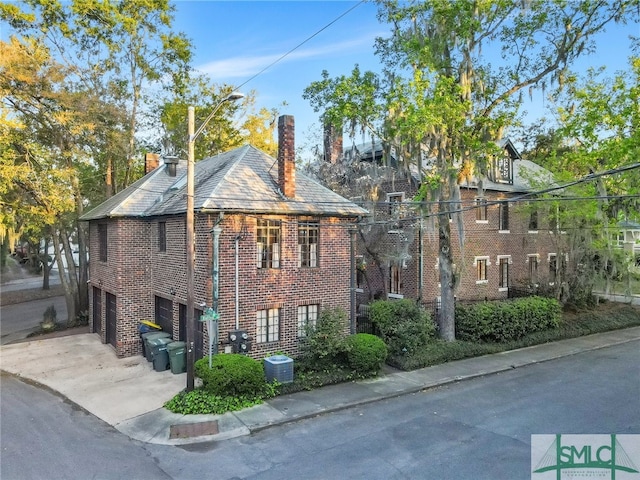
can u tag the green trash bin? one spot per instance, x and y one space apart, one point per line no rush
177 356
148 336
159 353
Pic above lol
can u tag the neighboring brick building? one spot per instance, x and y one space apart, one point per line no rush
508 240
286 235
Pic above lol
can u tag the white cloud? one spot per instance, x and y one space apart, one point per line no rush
245 66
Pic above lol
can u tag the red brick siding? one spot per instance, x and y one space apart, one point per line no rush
136 272
125 274
481 239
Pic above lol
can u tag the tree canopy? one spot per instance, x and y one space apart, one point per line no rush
454 78
88 87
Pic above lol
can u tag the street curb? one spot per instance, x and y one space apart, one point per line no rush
445 382
54 392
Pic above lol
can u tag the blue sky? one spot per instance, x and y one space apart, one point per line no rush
234 40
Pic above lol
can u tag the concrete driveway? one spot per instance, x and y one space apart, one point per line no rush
88 372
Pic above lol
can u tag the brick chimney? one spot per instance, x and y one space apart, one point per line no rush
286 156
151 162
332 143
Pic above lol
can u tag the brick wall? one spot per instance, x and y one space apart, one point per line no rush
126 275
286 287
136 272
482 238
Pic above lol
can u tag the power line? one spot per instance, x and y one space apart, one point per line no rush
282 57
522 197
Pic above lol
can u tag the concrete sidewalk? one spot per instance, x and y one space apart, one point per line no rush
129 394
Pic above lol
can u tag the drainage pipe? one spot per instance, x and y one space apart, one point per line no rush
238 237
352 274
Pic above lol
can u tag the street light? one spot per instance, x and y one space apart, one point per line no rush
191 256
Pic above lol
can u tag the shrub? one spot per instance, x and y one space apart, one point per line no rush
506 321
403 324
440 351
201 402
232 375
366 353
324 344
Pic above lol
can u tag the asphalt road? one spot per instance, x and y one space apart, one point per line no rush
45 437
476 429
17 321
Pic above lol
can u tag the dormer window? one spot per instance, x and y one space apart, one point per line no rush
502 169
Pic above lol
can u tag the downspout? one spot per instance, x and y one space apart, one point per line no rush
216 267
352 233
420 260
237 241
215 279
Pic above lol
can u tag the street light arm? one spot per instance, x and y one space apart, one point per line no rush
232 96
190 233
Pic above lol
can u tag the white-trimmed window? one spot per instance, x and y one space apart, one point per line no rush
394 201
395 280
481 264
552 258
533 260
102 241
268 325
503 264
268 244
162 236
503 216
361 268
308 236
481 210
533 220
307 318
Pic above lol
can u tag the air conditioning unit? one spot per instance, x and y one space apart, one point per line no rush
278 367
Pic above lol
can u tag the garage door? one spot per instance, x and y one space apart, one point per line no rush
164 314
97 310
198 333
111 318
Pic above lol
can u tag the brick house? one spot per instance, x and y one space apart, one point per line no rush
509 238
284 250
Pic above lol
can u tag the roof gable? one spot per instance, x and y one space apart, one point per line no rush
240 180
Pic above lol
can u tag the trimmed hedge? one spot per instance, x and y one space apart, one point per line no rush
366 353
404 326
232 375
505 321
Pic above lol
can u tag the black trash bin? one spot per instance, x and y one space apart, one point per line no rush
159 353
177 353
145 326
149 336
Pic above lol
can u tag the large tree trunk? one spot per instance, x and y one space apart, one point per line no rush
447 319
70 286
83 270
46 266
80 275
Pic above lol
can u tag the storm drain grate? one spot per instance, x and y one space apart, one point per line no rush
189 430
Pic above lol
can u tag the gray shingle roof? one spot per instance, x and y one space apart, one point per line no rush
243 180
527 177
